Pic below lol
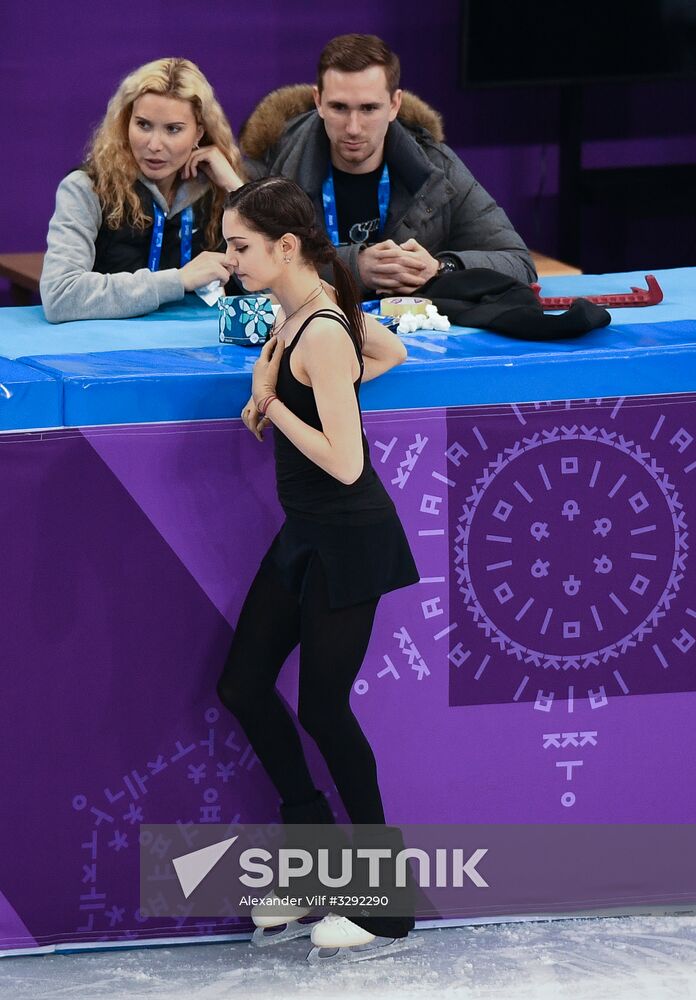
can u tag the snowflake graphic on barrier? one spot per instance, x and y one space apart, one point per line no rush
572 538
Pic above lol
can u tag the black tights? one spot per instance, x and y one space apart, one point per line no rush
333 643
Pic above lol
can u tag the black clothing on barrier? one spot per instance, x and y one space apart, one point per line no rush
487 300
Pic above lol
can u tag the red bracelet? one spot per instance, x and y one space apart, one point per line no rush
266 403
261 404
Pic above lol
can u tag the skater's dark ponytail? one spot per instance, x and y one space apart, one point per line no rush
274 206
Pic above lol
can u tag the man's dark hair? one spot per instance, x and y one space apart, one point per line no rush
353 53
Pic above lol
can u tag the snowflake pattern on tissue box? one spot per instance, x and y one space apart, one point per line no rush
245 319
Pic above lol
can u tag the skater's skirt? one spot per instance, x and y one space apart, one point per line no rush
360 561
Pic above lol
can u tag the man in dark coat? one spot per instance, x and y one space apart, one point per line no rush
400 204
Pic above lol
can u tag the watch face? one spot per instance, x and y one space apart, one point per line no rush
447 265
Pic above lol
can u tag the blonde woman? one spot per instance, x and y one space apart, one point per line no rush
138 224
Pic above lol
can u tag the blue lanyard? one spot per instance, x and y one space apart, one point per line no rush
158 233
331 214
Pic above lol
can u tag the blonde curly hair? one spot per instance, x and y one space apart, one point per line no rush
109 161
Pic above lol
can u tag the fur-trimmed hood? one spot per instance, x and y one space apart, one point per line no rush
264 126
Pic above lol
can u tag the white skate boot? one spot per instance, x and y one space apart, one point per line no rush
349 943
276 923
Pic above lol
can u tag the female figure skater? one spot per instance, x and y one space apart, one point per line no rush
139 224
341 546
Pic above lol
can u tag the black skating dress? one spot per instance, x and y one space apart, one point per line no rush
354 529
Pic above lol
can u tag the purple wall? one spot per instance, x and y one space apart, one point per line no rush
61 62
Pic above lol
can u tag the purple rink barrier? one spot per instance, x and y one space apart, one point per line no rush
476 871
541 672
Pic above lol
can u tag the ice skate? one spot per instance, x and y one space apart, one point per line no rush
337 939
276 923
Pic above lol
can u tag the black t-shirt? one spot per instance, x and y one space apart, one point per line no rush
357 205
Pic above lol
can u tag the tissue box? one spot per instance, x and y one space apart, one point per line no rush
245 320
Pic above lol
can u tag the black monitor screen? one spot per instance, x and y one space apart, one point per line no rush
557 41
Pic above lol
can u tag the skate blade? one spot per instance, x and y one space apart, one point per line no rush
361 952
265 936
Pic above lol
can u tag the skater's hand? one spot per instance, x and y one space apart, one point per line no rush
253 420
266 370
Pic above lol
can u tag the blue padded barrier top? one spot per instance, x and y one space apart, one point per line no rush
28 398
124 387
26 331
649 350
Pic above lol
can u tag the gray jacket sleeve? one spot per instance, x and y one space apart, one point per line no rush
70 289
255 169
478 222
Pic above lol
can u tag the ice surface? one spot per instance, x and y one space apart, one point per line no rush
617 958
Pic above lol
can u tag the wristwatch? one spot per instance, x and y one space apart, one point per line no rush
446 264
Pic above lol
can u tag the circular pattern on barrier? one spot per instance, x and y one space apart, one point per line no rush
570 548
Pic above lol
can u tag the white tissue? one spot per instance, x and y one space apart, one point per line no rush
432 320
211 292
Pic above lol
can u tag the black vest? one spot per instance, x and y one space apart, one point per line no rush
128 248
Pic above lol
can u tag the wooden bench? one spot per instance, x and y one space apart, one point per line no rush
24 272
548 266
